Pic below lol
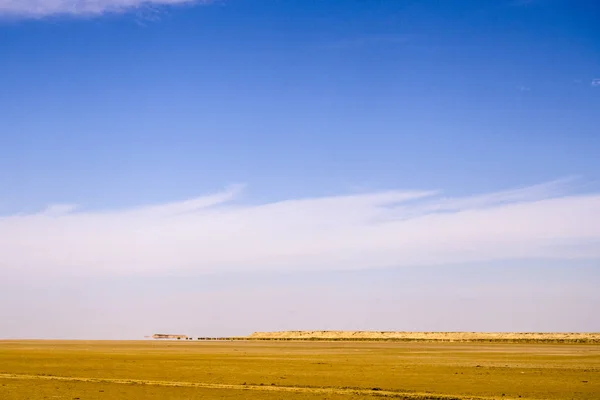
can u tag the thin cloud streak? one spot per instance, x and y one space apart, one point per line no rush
47 8
372 230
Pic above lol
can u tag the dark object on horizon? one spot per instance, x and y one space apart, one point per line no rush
169 336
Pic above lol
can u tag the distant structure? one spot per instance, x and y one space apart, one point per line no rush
169 336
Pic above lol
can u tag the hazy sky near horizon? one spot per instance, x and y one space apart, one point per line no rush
221 167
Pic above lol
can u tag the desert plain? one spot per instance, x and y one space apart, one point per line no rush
298 369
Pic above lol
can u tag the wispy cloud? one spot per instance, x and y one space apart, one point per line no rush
370 230
45 8
596 82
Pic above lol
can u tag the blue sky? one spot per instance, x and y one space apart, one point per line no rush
306 143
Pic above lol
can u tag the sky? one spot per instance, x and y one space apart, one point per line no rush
216 168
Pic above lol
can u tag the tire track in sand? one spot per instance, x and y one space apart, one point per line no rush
265 388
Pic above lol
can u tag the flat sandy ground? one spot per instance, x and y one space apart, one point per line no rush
296 370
